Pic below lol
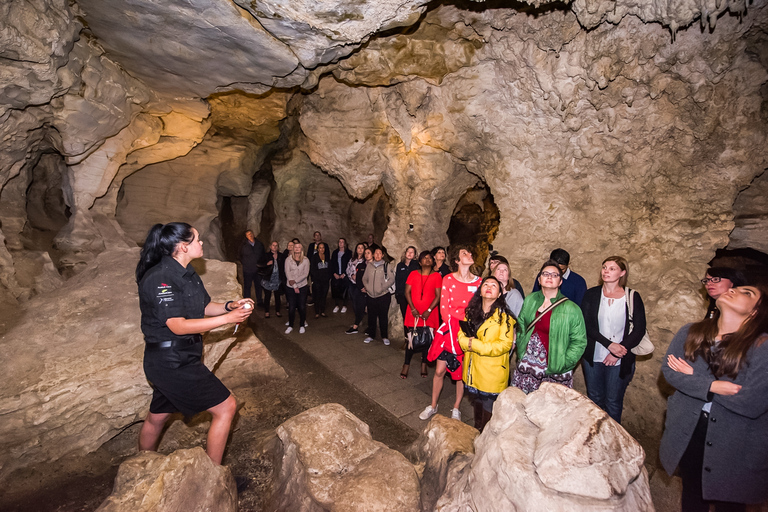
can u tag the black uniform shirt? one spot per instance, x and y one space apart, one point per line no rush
169 290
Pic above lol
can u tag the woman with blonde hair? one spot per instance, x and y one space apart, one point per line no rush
608 363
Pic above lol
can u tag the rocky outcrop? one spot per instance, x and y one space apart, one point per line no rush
325 459
183 480
550 450
73 360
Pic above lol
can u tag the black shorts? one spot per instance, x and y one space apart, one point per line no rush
181 383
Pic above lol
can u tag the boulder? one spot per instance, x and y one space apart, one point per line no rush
444 448
325 460
550 450
185 480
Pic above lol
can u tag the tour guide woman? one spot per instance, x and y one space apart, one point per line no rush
486 348
552 334
716 429
175 310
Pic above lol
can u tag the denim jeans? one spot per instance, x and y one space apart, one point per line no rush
606 388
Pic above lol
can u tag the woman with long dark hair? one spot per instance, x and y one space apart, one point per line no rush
408 263
487 337
272 268
355 272
339 289
716 429
320 272
422 293
608 363
175 311
438 254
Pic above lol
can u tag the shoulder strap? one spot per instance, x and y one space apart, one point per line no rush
540 315
629 293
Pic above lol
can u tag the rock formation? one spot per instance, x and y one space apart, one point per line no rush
73 359
325 459
550 450
183 480
604 127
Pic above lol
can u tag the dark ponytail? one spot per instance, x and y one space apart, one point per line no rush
161 241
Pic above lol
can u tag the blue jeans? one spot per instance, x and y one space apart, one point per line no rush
606 388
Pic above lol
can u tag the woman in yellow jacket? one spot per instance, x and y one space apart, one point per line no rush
487 337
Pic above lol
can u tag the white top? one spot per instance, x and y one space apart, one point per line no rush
611 318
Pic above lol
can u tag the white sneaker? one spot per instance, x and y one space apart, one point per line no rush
344 309
368 340
302 330
289 330
428 413
336 309
456 414
386 341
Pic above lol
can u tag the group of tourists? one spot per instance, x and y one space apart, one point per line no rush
470 326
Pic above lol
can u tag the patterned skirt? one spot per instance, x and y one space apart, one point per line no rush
531 371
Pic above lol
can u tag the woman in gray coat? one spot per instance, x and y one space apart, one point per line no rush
716 429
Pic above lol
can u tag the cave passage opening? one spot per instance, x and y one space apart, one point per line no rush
475 222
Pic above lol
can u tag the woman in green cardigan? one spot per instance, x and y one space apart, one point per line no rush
552 336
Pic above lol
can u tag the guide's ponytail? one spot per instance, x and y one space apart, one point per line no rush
161 241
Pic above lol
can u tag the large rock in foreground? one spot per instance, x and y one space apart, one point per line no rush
327 461
184 480
550 450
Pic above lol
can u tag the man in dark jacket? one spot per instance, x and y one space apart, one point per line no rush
251 252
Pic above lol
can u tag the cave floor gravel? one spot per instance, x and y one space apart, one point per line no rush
324 365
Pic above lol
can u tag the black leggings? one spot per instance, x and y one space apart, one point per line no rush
320 294
691 467
297 301
268 297
358 302
339 290
378 309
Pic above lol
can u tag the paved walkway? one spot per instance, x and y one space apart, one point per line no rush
374 369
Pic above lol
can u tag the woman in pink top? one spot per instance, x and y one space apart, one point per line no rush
456 293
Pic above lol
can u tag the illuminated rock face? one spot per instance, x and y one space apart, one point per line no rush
633 137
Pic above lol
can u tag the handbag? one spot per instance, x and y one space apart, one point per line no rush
419 338
645 346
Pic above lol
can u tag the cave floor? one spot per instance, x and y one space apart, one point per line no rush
324 365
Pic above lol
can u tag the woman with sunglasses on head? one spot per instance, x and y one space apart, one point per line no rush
717 281
175 311
716 428
608 362
552 334
487 342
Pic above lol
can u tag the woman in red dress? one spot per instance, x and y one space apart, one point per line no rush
456 293
422 292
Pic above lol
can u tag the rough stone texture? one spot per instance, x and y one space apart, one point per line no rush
443 446
325 459
72 359
550 450
750 214
184 480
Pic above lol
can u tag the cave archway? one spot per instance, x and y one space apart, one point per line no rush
475 222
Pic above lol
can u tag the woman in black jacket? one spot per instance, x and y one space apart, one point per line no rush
320 272
608 362
272 273
339 261
408 263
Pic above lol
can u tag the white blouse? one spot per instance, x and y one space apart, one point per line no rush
611 319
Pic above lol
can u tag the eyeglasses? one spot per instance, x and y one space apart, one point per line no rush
713 280
550 274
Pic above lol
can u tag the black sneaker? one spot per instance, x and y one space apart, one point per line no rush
352 330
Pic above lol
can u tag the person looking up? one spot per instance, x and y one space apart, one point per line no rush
717 420
456 292
574 286
512 295
717 281
493 261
